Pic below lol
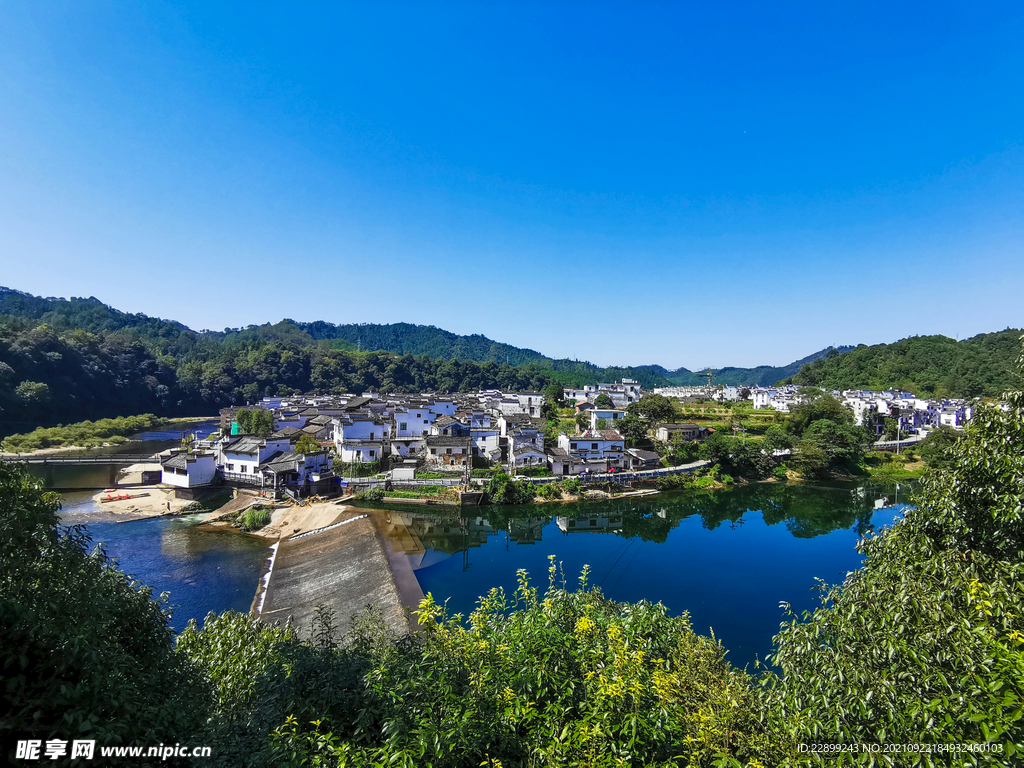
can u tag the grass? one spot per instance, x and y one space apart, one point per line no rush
84 434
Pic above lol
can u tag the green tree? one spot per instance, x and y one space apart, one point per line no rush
262 422
656 409
632 428
307 444
603 401
936 448
553 394
582 421
85 649
815 406
243 418
924 642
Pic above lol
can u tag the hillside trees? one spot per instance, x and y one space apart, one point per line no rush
84 649
925 643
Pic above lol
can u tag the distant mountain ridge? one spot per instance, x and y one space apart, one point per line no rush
65 360
91 314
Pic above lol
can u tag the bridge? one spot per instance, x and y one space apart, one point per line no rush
91 461
50 467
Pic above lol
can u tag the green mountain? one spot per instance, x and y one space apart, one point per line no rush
65 360
936 366
762 375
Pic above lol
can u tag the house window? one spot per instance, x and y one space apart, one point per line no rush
371 435
371 454
403 426
593 446
572 446
243 469
448 451
231 467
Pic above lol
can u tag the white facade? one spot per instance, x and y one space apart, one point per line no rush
188 471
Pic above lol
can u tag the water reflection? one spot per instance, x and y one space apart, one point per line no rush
728 557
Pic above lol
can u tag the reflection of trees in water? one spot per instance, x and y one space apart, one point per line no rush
806 511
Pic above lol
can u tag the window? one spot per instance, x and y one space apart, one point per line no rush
371 435
231 467
243 469
572 446
371 454
593 446
448 451
403 426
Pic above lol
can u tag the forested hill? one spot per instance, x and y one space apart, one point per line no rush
762 375
405 338
926 365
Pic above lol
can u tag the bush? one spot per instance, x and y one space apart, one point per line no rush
572 679
254 518
504 490
85 650
84 434
371 494
779 473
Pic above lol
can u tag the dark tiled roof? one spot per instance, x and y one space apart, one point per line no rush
178 461
444 441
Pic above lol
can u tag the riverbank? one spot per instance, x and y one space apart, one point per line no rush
88 435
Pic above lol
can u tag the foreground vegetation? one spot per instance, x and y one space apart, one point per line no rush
84 434
923 645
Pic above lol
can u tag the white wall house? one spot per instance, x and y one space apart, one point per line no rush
606 445
413 422
361 438
185 470
243 455
610 415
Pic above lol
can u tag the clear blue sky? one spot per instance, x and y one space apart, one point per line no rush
723 183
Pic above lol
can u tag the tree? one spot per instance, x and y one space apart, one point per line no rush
817 405
307 444
85 649
243 418
633 429
582 421
775 439
603 401
262 423
656 409
936 448
553 394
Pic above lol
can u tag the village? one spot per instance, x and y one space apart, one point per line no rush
315 440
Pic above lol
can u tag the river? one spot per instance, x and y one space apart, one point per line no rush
727 557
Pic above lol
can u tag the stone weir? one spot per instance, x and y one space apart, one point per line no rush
345 566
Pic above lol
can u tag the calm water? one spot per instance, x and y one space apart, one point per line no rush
60 476
728 557
203 570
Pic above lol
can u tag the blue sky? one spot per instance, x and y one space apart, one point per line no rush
719 183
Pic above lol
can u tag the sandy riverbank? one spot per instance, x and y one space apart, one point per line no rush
285 521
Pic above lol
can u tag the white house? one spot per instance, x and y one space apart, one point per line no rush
239 457
605 445
185 470
610 416
361 438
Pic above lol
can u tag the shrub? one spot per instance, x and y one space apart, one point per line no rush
371 494
254 518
